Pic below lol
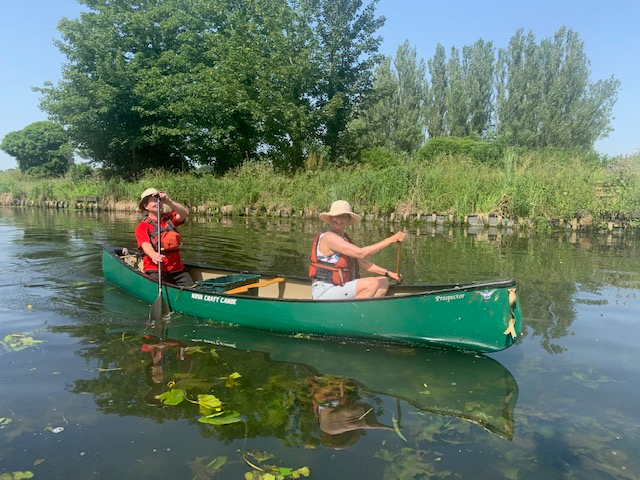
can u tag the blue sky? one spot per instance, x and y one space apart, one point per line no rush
609 31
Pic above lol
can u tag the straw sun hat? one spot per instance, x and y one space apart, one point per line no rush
147 193
339 207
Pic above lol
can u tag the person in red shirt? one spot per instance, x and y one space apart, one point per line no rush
146 232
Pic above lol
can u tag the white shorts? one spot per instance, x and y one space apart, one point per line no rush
329 291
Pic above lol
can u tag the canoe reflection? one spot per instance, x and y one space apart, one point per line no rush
445 382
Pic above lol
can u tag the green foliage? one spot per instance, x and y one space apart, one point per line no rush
379 158
436 108
174 84
16 475
538 185
80 171
482 151
263 471
42 149
16 342
545 97
345 59
393 114
210 406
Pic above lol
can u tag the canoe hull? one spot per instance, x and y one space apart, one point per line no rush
470 317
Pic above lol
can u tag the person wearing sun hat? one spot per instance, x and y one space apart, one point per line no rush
146 233
336 260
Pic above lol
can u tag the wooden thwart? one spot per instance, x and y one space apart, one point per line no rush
244 288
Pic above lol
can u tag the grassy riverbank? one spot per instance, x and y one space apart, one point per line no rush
539 187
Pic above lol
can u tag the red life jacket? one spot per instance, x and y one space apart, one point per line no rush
170 239
339 273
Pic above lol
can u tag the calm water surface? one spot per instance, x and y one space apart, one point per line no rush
82 378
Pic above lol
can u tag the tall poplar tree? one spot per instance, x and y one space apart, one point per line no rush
545 97
374 126
345 58
410 100
457 100
573 113
519 90
478 65
393 116
437 102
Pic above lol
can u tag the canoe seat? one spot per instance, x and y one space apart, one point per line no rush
226 282
264 283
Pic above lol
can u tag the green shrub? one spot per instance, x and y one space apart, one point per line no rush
481 151
379 157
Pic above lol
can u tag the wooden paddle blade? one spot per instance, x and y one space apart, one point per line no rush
159 310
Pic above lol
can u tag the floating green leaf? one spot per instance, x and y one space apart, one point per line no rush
270 472
209 404
14 342
174 396
16 475
221 418
232 380
4 421
304 471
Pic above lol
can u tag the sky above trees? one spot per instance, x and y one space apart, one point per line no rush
29 57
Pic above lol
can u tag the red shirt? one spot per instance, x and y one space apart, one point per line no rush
172 261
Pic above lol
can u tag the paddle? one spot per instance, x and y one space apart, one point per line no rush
399 249
159 308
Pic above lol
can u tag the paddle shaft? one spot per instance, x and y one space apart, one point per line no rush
399 250
158 308
159 249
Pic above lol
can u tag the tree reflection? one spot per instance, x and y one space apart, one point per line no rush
302 392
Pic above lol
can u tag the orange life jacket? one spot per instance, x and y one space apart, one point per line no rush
339 273
170 239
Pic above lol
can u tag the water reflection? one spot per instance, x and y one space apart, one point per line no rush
575 414
304 392
342 415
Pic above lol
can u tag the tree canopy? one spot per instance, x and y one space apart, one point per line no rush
545 97
531 95
41 149
177 84
180 83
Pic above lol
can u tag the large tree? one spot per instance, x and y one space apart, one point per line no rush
41 149
478 65
410 100
393 115
545 97
179 83
102 99
345 58
436 108
456 99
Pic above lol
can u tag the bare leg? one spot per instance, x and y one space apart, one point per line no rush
370 287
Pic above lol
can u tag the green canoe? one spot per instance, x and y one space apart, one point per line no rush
477 316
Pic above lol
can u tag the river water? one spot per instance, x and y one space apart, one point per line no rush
87 391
